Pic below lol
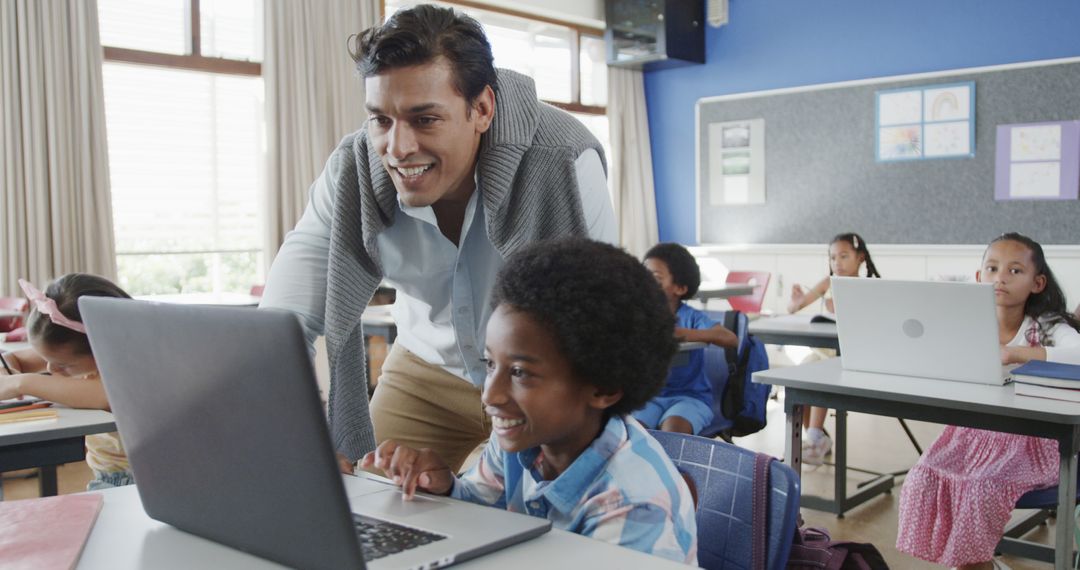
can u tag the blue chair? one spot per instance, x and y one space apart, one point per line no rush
1044 501
723 476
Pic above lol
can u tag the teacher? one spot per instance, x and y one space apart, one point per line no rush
457 167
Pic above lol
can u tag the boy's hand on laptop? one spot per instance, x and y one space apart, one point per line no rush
411 469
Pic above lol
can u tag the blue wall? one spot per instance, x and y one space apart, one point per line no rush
770 44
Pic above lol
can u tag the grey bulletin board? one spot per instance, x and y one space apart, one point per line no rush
821 176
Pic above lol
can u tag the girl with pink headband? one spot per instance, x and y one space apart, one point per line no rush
60 366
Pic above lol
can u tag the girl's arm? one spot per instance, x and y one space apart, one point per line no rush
1066 348
25 361
73 392
800 299
717 335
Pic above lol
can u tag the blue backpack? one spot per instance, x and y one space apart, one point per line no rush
738 402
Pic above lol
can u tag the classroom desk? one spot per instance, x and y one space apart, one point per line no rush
722 291
377 321
225 299
981 406
124 537
13 346
48 443
795 330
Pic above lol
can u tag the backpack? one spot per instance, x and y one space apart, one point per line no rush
814 550
742 401
811 548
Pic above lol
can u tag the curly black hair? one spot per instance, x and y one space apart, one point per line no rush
608 316
681 264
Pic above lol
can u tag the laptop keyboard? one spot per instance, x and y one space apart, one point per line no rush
380 538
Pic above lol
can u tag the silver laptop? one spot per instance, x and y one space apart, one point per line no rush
932 329
219 412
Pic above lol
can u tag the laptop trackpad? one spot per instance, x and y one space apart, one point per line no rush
389 504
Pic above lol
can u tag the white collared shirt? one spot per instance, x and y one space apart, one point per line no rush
443 291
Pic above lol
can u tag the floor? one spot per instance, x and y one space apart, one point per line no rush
873 522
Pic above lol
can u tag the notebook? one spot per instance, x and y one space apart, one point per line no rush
1046 373
47 533
220 415
933 329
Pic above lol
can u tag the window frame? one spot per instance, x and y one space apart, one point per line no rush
576 30
192 61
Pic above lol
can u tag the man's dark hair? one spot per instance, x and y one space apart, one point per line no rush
608 316
421 34
680 263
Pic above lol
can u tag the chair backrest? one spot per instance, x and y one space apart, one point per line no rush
257 290
749 303
723 475
8 324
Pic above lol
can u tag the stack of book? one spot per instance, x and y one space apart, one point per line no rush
1043 379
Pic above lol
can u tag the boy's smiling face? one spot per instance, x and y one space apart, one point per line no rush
531 392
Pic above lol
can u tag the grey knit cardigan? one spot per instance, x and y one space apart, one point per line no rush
529 192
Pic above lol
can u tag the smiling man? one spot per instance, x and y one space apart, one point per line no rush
458 166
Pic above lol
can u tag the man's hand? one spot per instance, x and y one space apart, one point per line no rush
344 465
411 469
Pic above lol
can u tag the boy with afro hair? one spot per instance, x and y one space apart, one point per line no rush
685 403
580 336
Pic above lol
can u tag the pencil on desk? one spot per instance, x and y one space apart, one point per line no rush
6 367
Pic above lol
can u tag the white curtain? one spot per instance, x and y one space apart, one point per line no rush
55 205
314 97
631 161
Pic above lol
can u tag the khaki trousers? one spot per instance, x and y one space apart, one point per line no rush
422 405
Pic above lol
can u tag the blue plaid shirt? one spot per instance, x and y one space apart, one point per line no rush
622 489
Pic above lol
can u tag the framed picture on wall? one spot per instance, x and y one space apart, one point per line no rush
736 163
934 121
1038 161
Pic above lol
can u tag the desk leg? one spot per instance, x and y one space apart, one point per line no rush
1066 523
840 464
793 444
47 483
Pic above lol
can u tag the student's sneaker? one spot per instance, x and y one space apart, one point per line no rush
815 451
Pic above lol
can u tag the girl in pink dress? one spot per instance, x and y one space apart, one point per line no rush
957 499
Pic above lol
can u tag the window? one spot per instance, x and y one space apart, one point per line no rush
184 114
566 60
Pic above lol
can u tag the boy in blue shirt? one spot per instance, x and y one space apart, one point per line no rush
579 337
685 403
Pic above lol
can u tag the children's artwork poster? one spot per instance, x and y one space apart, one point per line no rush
1038 161
932 121
736 163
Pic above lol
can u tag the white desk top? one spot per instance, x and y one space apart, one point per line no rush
829 376
13 346
723 290
125 537
231 299
792 324
70 423
377 315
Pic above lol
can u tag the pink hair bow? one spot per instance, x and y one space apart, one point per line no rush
47 306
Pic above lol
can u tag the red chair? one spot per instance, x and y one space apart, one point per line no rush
257 290
749 303
8 324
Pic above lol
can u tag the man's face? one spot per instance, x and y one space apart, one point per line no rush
425 132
